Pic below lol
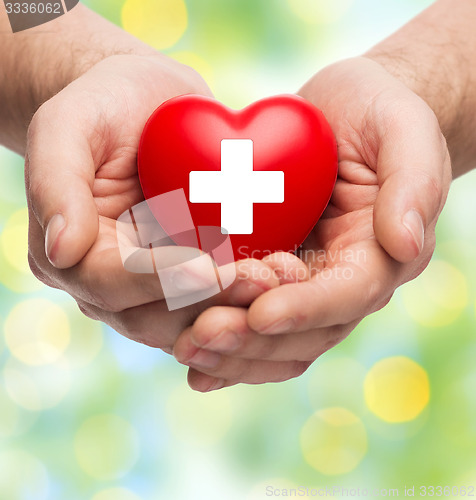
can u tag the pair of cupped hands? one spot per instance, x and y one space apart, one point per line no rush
281 313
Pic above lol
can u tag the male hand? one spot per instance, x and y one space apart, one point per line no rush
377 233
81 174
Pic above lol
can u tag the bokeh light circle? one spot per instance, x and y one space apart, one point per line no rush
86 337
2 338
338 381
197 63
13 419
36 388
14 240
438 297
397 389
22 476
37 332
457 411
320 11
200 419
160 23
333 441
115 494
106 446
16 274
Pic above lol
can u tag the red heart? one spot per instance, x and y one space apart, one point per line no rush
288 135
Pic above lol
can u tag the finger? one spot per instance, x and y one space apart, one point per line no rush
287 267
339 294
234 370
59 177
256 372
154 325
225 330
151 324
414 173
101 280
202 382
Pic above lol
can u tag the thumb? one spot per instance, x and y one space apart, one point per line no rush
59 173
414 174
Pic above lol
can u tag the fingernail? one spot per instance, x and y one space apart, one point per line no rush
280 326
55 226
226 341
413 221
204 359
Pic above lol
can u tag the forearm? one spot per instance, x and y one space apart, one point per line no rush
434 54
38 63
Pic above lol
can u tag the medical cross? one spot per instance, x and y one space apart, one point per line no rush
237 186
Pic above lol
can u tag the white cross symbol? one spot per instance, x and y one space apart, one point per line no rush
237 186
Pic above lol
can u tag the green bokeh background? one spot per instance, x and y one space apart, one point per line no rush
87 414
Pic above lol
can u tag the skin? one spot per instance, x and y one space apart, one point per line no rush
415 89
282 313
38 63
97 183
393 160
118 82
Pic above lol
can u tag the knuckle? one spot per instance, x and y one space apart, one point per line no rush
241 371
296 369
36 190
267 347
34 125
147 341
101 300
88 312
150 286
35 269
374 293
335 337
129 324
207 325
319 349
315 351
97 288
40 118
432 186
39 273
138 335
383 302
300 367
203 336
104 302
329 344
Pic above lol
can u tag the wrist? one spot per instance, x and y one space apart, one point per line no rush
444 88
39 64
432 55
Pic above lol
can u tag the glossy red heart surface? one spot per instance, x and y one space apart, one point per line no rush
264 173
